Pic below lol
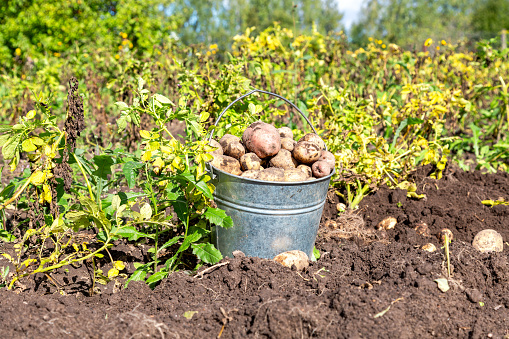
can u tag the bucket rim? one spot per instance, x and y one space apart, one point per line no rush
278 183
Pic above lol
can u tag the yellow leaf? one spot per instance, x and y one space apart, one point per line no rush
153 146
30 232
145 134
166 149
84 245
112 273
158 163
76 248
119 265
30 114
146 156
7 256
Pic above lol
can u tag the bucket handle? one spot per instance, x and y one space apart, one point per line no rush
265 92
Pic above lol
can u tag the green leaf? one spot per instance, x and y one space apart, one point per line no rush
138 275
316 254
146 211
189 314
132 234
181 207
6 236
121 105
122 123
103 163
207 253
9 148
170 242
130 170
157 277
402 125
188 241
90 205
218 217
28 145
163 100
3 139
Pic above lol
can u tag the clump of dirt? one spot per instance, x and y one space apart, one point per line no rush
357 289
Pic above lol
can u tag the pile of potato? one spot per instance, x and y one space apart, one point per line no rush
271 154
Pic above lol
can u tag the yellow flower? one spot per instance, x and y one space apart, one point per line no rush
125 42
383 46
443 43
213 46
428 42
119 48
438 48
370 39
117 56
59 43
124 35
130 44
56 54
18 51
379 42
208 53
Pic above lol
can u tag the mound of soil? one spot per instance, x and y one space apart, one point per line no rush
367 283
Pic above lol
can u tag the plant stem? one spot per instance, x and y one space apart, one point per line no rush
85 176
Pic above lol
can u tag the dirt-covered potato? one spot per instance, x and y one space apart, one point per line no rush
227 164
488 241
288 144
218 149
262 139
329 158
295 257
251 174
306 169
272 174
227 139
250 161
312 137
293 174
283 160
234 150
306 152
321 169
285 132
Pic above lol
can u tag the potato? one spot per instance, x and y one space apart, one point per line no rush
250 174
288 144
306 169
235 150
321 169
285 132
444 234
387 224
488 241
329 158
262 139
227 139
312 137
283 160
272 174
227 164
306 152
250 161
429 247
293 174
290 258
218 150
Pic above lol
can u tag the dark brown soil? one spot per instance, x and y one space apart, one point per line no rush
367 284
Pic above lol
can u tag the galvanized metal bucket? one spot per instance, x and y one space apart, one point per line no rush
269 217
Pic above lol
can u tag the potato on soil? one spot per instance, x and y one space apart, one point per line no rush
285 132
306 169
272 174
227 164
306 152
445 232
290 258
228 139
235 150
283 160
488 241
329 158
293 174
321 169
387 224
312 137
250 161
288 144
250 174
262 139
218 149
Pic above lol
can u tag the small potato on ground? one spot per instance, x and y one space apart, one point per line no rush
250 161
293 174
283 160
272 174
306 152
488 241
290 258
312 137
285 132
227 164
235 150
321 169
288 144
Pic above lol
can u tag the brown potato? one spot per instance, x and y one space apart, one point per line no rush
272 174
306 169
218 150
227 164
306 152
235 150
250 161
262 139
293 174
321 169
288 144
283 160
488 241
227 139
312 137
285 132
329 158
250 174
290 258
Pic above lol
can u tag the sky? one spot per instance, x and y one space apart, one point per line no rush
350 9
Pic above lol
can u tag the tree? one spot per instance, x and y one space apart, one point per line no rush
490 17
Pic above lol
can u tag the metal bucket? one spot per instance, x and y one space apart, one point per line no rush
269 217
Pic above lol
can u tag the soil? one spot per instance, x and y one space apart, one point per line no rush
368 283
